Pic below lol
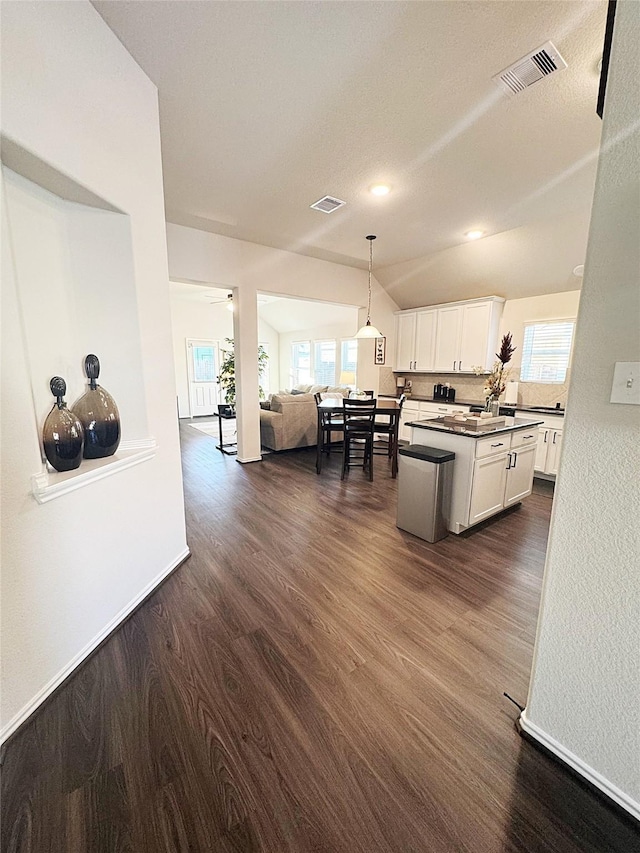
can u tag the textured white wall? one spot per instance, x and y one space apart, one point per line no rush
585 687
77 102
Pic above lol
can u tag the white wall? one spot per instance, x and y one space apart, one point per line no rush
78 110
200 256
584 700
191 319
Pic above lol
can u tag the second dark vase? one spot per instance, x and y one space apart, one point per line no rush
98 414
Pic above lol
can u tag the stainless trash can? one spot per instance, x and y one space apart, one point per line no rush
425 476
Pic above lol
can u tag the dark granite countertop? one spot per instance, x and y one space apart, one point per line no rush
510 425
539 410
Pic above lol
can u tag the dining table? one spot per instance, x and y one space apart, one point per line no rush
385 407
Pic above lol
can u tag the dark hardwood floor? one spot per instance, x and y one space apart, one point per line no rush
312 679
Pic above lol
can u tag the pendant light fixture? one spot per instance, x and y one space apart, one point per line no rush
369 331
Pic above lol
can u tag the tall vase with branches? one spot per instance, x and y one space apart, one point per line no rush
227 377
495 382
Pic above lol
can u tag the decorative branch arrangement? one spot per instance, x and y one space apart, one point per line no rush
495 383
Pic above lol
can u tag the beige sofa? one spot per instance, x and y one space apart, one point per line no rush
292 420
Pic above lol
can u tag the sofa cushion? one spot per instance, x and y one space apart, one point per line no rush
278 400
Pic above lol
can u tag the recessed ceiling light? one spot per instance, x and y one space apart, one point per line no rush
381 189
474 235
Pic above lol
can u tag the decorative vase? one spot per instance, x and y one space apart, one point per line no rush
495 407
62 434
98 414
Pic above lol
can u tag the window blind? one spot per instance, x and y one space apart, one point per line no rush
546 351
324 368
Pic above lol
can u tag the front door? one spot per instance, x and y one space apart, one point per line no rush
202 365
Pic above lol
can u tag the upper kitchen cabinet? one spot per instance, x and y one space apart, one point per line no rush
415 340
450 338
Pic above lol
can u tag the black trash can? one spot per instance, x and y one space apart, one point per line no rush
425 476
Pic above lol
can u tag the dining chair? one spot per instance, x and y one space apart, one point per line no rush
329 423
359 418
389 427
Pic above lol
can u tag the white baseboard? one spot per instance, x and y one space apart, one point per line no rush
28 709
591 775
251 459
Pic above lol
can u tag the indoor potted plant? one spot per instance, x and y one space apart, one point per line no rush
227 377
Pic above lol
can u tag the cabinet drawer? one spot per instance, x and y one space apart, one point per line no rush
524 437
496 444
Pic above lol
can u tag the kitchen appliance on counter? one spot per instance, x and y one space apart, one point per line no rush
444 392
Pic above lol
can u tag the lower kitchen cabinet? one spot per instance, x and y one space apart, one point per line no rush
519 474
500 481
488 487
490 473
548 450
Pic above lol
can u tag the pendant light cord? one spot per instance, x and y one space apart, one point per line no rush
370 238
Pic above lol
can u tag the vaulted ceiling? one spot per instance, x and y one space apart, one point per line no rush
267 106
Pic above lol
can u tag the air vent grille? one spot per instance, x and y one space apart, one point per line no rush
526 71
327 204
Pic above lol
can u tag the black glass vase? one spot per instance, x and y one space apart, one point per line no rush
98 414
62 434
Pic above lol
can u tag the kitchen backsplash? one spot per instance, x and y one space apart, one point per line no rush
471 387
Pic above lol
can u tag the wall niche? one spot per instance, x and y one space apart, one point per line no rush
73 264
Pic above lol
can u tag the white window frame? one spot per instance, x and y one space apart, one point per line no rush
549 322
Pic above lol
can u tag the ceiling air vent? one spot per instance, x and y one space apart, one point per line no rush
531 68
327 204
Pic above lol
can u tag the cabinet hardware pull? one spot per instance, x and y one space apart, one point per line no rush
546 433
554 437
442 409
527 436
515 459
497 445
454 365
509 465
460 365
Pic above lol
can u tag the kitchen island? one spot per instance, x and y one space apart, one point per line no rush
493 468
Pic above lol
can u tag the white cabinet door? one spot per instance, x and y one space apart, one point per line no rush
474 335
405 341
487 491
448 339
425 339
540 462
520 474
408 414
553 454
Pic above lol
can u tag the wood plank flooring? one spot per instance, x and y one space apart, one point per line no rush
312 679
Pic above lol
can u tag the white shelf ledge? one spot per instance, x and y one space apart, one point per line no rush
50 484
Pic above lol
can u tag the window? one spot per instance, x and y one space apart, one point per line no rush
349 362
546 351
204 364
324 367
300 363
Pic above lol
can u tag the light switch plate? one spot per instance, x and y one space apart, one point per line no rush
626 383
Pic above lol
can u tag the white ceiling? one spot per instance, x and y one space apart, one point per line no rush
267 106
281 313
